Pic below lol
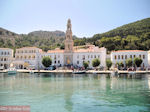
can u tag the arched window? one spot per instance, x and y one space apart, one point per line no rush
33 57
118 56
115 57
122 56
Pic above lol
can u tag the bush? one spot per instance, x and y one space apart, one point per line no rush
129 62
95 62
108 63
85 64
46 61
138 61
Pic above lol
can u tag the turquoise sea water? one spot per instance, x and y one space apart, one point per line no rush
75 93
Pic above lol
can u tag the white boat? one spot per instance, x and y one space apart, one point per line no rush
12 71
78 72
131 72
31 72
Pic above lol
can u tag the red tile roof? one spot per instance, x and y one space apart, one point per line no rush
128 51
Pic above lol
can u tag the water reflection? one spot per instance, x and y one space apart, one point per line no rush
72 92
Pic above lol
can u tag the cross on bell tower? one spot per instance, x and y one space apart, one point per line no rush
69 41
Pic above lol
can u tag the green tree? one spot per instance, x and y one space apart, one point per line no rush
120 64
108 63
85 64
95 62
46 61
129 62
138 61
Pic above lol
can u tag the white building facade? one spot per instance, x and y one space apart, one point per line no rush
123 55
32 56
27 56
6 57
75 55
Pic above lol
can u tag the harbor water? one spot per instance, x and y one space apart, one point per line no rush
51 92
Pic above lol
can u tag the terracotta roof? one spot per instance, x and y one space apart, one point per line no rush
55 51
6 49
29 48
128 51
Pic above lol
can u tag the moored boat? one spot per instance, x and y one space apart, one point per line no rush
12 71
79 72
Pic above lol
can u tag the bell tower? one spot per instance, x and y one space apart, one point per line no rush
69 41
68 53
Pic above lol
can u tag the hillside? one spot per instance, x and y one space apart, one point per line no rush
134 35
42 39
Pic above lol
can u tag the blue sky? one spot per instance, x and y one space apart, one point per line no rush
88 16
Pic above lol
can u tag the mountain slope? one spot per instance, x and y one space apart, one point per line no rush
136 28
134 35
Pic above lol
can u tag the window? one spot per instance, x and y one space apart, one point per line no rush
143 65
8 53
77 62
98 56
115 57
55 62
2 53
1 59
83 57
88 56
122 56
5 53
134 56
95 56
125 56
58 56
58 61
33 57
91 56
140 56
143 56
78 56
130 56
4 59
118 56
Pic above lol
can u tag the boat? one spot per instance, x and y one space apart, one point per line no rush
12 70
31 72
79 72
131 72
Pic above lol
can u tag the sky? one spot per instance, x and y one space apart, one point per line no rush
88 17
